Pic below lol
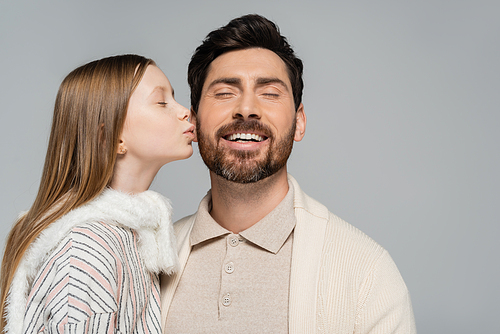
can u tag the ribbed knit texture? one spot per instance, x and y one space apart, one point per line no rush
360 284
341 281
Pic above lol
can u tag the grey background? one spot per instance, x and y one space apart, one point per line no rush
402 136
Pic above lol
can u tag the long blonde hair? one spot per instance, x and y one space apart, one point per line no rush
89 114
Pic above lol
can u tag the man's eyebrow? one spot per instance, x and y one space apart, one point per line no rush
259 81
229 81
267 81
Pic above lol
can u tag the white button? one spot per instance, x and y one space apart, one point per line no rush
226 300
233 241
229 268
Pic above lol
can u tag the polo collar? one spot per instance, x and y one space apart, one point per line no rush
270 233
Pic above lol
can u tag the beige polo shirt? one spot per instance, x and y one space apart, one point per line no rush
236 283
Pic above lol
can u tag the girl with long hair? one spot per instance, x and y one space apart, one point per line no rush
87 255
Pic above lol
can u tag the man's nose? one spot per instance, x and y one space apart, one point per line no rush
248 108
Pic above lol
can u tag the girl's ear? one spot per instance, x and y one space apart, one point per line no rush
122 149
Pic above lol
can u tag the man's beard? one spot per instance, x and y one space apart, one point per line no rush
242 166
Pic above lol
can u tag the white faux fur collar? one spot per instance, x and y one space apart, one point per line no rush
147 213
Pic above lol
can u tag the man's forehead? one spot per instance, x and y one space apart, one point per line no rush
255 64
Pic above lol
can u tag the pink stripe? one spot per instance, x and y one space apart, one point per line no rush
132 295
105 244
47 267
155 293
61 325
78 304
141 270
82 306
58 288
102 280
112 320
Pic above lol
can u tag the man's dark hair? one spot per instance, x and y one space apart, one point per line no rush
249 31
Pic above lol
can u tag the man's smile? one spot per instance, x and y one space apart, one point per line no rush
245 137
244 140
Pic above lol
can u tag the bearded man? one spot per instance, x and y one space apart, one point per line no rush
259 255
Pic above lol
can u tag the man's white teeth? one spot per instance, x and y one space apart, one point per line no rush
245 136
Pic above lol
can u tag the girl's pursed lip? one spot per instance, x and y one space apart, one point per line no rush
190 129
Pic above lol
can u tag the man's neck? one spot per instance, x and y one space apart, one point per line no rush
237 206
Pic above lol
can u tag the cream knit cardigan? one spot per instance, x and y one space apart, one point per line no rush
341 280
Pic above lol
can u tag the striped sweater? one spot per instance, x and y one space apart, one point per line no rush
96 269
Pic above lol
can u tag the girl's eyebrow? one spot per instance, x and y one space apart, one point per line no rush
163 89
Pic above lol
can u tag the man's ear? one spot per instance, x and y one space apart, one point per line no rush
300 125
192 120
